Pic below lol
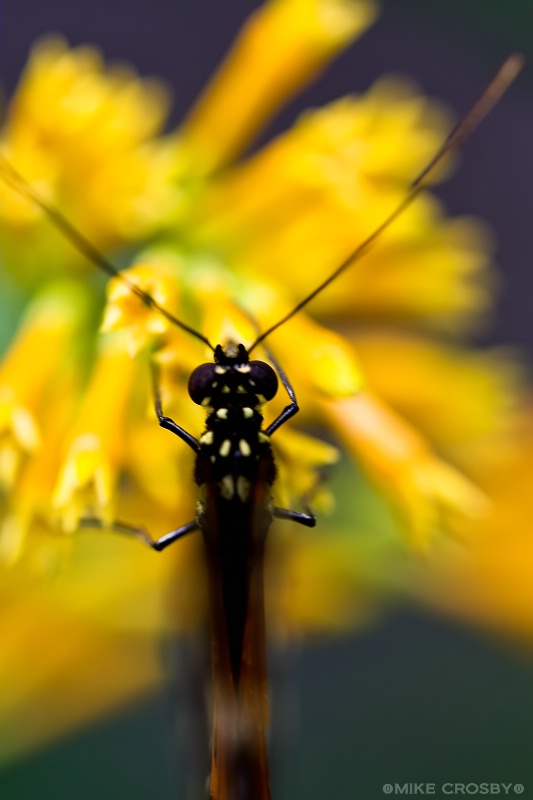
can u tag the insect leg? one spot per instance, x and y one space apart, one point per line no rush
309 520
167 422
141 533
290 410
306 518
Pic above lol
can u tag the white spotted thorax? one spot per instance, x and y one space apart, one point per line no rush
234 452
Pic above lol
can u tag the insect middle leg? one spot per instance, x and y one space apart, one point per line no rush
306 517
309 519
141 533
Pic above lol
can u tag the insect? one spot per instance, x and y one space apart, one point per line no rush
235 471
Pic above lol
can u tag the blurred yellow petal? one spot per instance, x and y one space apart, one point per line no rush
17 422
329 163
223 319
29 506
282 46
296 209
461 400
426 270
126 311
424 489
44 699
101 640
158 461
489 581
322 357
308 352
82 135
43 341
177 355
90 469
300 458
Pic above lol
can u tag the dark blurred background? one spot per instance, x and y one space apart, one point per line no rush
414 698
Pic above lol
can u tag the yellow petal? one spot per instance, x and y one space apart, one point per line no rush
32 366
318 356
158 461
462 400
99 650
30 516
422 487
126 311
489 583
282 46
95 447
329 163
300 459
82 135
82 671
25 429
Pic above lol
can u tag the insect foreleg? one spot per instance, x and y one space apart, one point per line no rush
141 533
290 410
167 422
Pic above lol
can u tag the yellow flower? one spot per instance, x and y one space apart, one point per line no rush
282 46
50 323
86 484
122 304
488 584
422 485
82 135
225 247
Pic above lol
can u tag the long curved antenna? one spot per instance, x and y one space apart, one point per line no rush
496 88
15 180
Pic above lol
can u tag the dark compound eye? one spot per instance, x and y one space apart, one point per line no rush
201 382
265 379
